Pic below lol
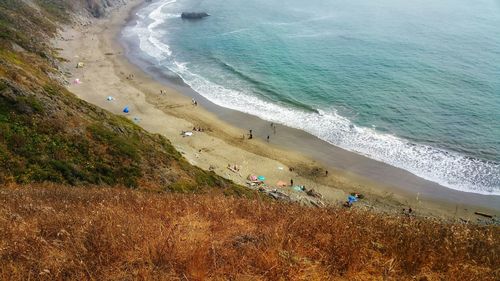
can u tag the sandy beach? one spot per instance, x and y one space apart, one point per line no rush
165 107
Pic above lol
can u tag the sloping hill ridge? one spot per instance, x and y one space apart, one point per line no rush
47 134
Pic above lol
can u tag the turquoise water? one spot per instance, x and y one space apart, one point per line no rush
415 84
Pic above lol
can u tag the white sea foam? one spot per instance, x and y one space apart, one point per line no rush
148 33
164 48
447 168
159 18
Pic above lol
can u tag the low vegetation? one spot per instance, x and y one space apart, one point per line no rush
49 135
51 232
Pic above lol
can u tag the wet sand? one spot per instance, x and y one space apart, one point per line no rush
108 69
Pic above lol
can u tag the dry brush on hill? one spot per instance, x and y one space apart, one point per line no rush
53 232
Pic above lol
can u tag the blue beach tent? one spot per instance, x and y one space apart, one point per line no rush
126 110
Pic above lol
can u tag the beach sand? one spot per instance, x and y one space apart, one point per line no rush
163 107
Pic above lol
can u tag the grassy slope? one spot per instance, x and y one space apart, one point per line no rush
47 134
55 233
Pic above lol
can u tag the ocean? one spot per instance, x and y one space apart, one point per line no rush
414 84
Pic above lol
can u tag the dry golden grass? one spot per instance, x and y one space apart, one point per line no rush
50 232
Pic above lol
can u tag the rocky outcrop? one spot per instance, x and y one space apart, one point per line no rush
95 8
194 15
98 8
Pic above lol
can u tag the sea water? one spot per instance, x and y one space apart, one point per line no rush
415 84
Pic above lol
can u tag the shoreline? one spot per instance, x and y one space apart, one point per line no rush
389 189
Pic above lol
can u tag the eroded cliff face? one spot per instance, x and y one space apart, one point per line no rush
99 8
93 8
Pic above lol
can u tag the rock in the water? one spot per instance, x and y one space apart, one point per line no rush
193 16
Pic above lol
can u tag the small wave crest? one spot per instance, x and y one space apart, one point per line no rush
234 31
314 19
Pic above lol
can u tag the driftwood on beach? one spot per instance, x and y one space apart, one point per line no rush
483 215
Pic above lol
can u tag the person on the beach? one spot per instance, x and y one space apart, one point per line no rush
267 138
291 182
250 136
326 173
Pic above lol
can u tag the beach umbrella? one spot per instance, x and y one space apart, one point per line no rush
261 178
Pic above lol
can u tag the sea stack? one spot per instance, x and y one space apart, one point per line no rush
194 15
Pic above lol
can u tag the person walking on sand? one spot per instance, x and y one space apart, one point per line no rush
267 138
291 182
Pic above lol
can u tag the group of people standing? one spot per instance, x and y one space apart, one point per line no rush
250 132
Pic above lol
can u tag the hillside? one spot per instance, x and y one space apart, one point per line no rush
47 134
52 232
